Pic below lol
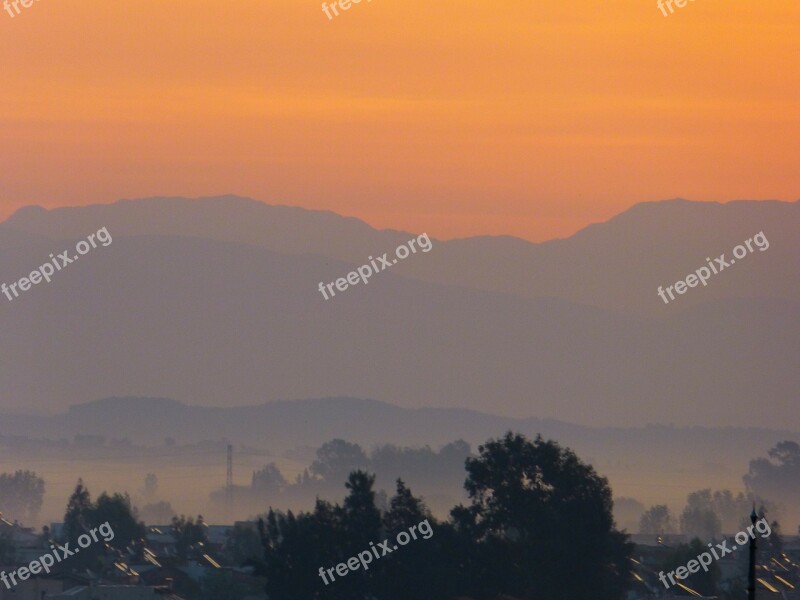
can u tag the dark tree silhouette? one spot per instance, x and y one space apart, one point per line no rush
21 495
77 518
83 515
628 513
337 458
699 517
539 526
268 479
362 521
117 511
657 519
423 465
541 516
158 513
777 477
188 534
404 510
8 550
414 574
243 546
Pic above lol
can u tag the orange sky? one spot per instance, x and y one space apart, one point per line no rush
530 118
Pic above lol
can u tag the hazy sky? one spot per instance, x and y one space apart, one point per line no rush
455 118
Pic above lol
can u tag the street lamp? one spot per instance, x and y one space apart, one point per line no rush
751 574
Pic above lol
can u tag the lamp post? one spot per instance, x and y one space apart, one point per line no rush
751 573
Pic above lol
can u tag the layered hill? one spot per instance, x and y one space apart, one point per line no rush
214 302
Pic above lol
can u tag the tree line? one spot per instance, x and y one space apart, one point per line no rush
538 524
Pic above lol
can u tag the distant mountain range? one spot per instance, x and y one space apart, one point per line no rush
615 265
214 302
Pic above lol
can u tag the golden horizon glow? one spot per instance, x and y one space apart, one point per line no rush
527 119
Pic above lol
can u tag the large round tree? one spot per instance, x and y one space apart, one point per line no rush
543 521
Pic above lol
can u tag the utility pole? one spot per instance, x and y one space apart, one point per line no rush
751 573
229 485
